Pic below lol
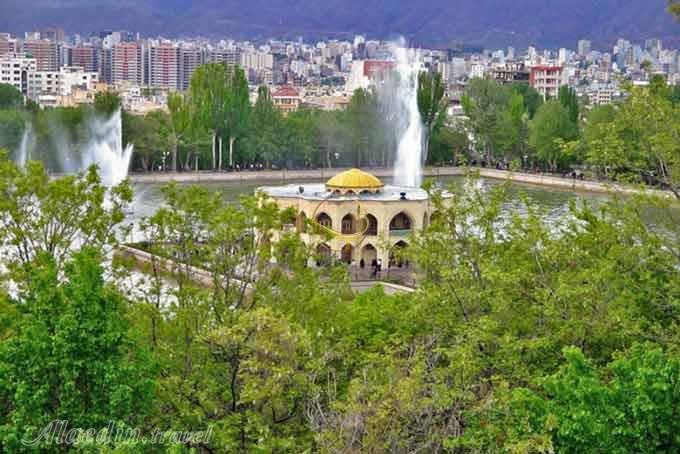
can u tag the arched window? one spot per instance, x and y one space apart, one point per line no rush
369 254
372 228
347 253
324 220
397 255
348 225
323 254
400 223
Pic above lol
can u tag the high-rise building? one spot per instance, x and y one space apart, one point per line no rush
190 58
584 47
45 52
127 63
85 56
164 66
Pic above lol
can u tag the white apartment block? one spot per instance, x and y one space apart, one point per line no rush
257 61
42 84
15 70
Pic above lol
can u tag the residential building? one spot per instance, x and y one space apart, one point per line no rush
45 52
43 85
190 58
510 73
164 66
85 56
547 80
127 63
287 99
8 45
15 70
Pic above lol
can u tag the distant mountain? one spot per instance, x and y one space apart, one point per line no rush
491 23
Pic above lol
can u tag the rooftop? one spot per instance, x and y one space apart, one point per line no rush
354 180
317 191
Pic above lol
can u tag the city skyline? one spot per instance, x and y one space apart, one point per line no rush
486 23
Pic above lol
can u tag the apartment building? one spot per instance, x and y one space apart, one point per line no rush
86 57
164 66
15 70
547 80
8 45
127 63
45 52
60 83
190 58
287 99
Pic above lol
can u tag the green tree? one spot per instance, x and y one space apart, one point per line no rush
642 140
209 93
551 124
567 97
106 103
237 109
180 124
70 356
42 215
627 407
264 141
511 130
484 102
12 126
360 118
432 105
532 98
332 135
448 144
10 98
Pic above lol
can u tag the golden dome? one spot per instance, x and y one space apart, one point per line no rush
354 180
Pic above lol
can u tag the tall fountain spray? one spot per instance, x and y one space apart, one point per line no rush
27 144
409 162
103 148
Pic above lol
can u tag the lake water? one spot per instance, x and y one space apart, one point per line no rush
553 202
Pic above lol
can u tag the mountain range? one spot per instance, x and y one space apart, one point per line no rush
436 23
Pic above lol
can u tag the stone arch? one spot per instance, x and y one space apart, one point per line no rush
370 225
369 254
395 254
401 222
323 254
348 225
347 253
324 220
